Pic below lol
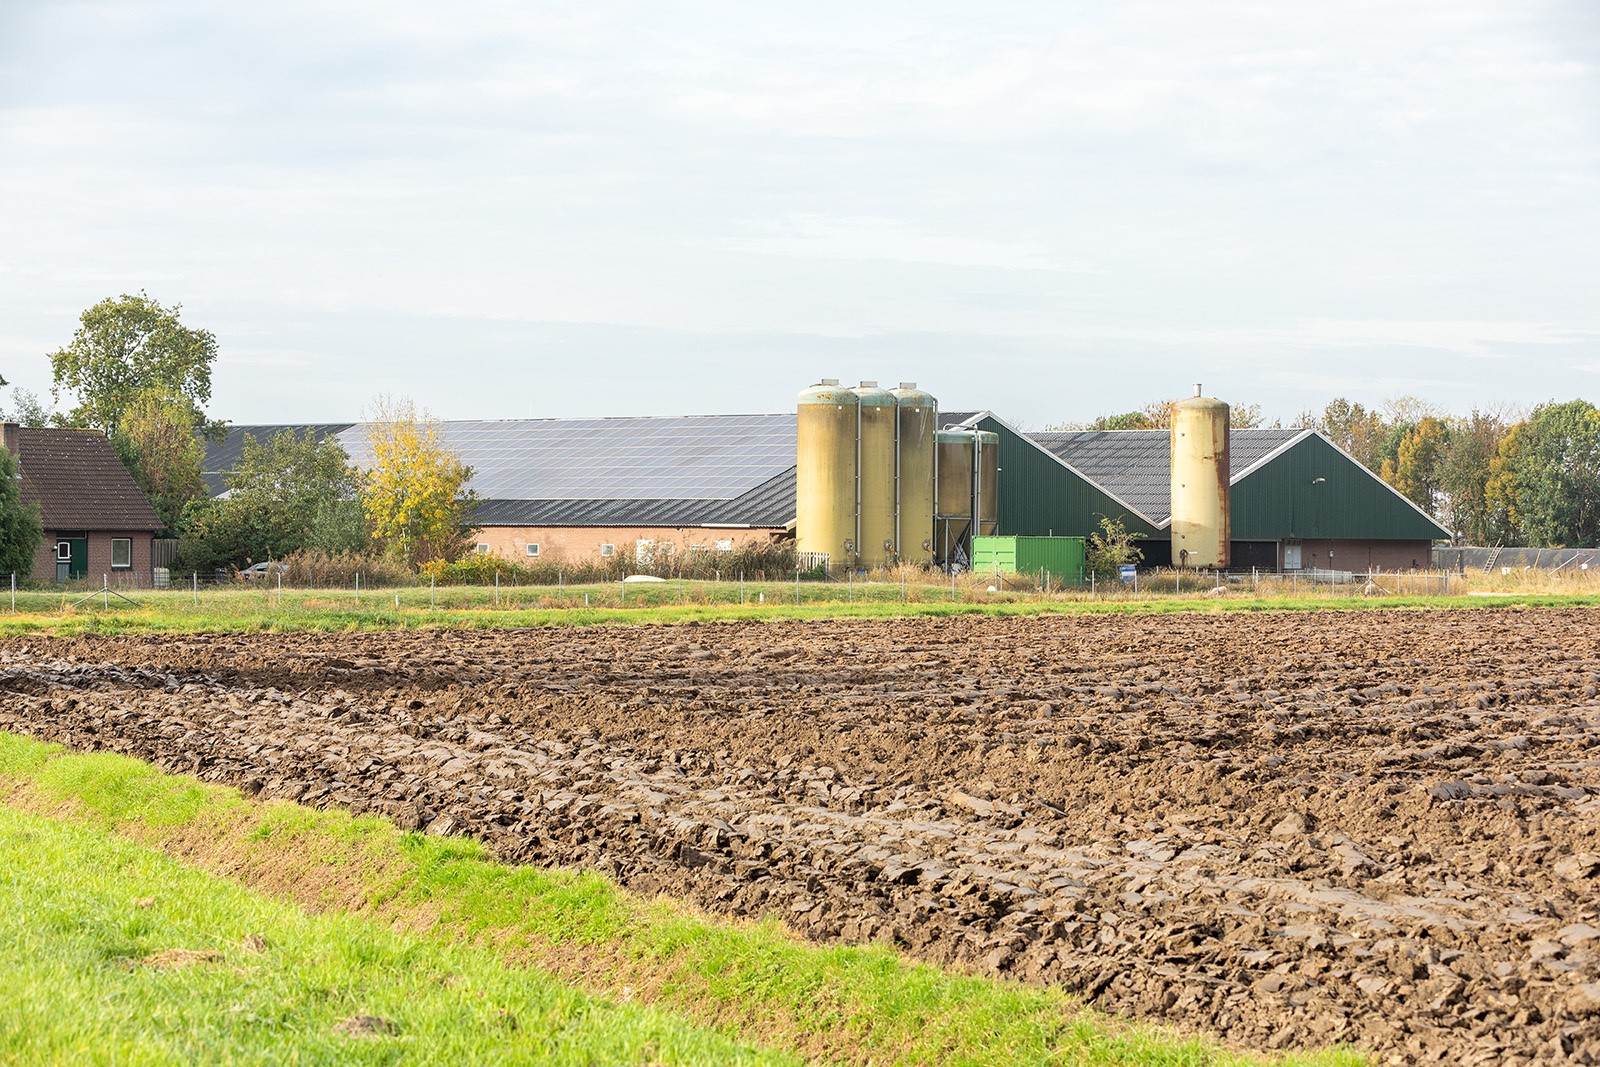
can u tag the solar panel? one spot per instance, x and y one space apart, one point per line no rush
711 457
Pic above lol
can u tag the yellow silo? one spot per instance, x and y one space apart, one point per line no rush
877 545
1200 475
917 418
825 475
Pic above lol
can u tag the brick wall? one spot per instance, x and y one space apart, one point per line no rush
583 542
138 576
1365 556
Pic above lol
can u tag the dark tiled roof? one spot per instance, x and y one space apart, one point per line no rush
1136 465
79 482
771 504
223 456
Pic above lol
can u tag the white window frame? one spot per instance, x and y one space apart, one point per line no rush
128 542
725 545
481 548
608 550
533 549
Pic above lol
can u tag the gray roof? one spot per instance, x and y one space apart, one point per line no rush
223 456
1136 465
671 471
769 504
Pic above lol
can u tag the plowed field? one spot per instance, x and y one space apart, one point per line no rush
1379 827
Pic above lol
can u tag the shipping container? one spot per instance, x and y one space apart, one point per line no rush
1061 556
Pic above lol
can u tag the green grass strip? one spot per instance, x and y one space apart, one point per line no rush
233 611
85 915
856 1004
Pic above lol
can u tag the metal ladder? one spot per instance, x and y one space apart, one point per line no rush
1489 566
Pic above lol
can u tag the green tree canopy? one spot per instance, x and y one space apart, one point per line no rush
1545 478
126 346
158 441
20 529
287 493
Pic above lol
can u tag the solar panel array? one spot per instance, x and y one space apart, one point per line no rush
698 457
1136 465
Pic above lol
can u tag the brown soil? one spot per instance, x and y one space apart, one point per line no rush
1376 827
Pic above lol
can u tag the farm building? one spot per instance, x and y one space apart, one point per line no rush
574 488
97 524
1298 501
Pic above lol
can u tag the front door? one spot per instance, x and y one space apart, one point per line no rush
72 558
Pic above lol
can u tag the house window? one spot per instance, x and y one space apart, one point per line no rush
533 548
608 550
725 546
63 551
664 547
121 553
482 549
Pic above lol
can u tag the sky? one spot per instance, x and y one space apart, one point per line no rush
1052 210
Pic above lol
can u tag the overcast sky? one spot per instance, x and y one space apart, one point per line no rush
1050 209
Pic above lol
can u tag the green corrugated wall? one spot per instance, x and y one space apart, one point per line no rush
1283 499
1038 496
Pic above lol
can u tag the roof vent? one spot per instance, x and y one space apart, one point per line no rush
830 381
1196 388
908 385
869 385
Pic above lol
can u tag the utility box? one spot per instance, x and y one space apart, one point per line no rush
1062 556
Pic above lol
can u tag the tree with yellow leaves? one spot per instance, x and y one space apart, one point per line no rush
416 497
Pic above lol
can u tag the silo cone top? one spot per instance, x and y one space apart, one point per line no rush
828 394
909 396
1201 403
871 396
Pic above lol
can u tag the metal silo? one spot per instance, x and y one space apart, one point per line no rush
952 494
825 475
986 487
877 544
1200 483
916 419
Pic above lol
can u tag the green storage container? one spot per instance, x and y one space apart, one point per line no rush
1061 556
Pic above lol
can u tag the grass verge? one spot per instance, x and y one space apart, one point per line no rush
399 910
117 954
231 611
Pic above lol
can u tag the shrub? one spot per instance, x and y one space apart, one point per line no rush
316 568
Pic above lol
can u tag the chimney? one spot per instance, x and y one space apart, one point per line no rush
8 437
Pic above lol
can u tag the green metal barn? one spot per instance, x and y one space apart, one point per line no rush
1297 501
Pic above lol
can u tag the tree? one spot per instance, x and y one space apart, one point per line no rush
1109 548
1464 477
158 442
1546 477
126 346
20 529
1353 428
416 496
287 493
29 410
1414 470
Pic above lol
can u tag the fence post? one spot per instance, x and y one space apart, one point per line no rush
358 589
432 588
105 588
496 588
196 578
13 591
796 587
